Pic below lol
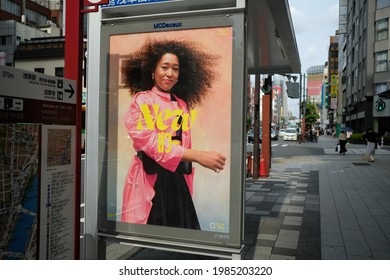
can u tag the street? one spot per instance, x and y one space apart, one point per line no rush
325 145
281 148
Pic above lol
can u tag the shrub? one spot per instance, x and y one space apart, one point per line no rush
356 138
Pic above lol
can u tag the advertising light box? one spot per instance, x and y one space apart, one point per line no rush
172 148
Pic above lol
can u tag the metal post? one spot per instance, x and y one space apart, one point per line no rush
73 71
270 120
256 128
304 109
300 108
265 159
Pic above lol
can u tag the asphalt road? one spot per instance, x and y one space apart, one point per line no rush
281 148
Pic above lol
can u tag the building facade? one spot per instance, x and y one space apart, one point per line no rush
43 55
30 12
22 20
12 33
365 68
315 78
333 103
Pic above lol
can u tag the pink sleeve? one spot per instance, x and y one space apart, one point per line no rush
147 140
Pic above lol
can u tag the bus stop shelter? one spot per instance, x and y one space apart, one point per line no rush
248 37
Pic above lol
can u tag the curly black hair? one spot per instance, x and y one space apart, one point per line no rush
196 68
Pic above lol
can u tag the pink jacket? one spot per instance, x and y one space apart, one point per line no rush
149 124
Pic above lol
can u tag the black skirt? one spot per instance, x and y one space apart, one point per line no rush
172 202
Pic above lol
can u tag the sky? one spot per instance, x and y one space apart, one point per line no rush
314 22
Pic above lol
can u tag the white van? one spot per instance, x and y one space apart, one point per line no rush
290 134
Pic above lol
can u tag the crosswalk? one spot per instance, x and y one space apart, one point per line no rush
331 151
357 151
328 151
280 145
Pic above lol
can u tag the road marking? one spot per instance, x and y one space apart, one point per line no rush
356 152
281 145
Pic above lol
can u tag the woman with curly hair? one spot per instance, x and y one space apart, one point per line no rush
167 79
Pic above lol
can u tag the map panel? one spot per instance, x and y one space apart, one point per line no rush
19 158
59 147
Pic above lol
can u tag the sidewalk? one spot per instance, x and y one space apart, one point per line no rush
327 207
321 207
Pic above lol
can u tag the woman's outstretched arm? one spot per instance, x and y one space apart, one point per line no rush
212 160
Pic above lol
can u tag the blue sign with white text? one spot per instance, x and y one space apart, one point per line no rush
117 3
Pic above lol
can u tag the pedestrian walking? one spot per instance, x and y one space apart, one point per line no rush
342 142
371 137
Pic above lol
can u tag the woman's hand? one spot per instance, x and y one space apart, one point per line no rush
209 159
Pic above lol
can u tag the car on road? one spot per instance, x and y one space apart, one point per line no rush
281 132
274 134
290 134
251 137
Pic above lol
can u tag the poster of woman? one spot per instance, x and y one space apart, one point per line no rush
171 92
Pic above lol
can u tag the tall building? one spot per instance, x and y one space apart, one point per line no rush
280 101
280 110
364 65
315 77
30 12
325 100
332 94
57 13
22 20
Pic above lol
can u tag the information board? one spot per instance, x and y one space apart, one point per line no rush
36 98
57 195
37 125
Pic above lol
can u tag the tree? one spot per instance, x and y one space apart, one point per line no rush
311 114
248 122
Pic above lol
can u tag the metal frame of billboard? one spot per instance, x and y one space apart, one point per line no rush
175 239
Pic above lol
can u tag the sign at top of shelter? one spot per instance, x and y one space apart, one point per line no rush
116 3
